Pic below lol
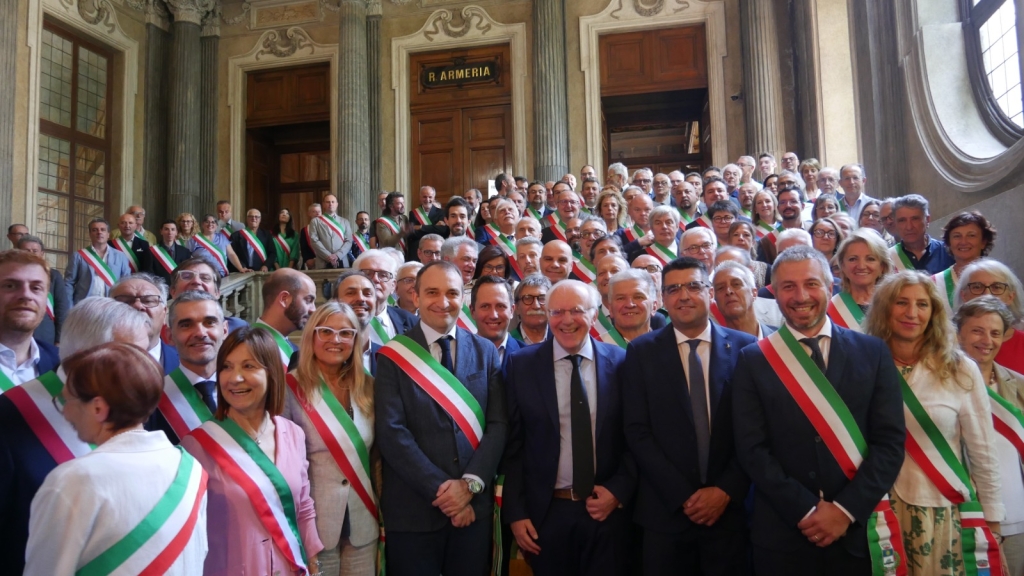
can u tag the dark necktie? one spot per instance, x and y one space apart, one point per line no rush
582 439
446 353
816 355
699 406
207 390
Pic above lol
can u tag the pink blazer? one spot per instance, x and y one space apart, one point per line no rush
239 544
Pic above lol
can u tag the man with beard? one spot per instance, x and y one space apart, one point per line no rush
537 197
589 191
289 299
361 235
456 222
387 321
789 208
684 197
393 226
58 301
745 197
24 286
528 251
359 293
148 294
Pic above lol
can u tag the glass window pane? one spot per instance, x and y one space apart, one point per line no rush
55 79
89 173
52 220
92 93
999 56
54 163
84 212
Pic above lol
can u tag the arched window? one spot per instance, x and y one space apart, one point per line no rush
994 61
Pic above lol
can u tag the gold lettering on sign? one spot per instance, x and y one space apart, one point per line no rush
458 74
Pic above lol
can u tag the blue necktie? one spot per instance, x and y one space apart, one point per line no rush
699 406
446 353
208 392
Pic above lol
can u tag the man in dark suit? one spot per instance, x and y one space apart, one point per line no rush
306 251
388 321
436 499
809 517
134 247
678 424
25 280
568 203
198 274
253 245
567 472
427 213
455 223
166 254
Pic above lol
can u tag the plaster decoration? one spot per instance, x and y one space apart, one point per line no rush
191 11
236 20
374 8
330 5
97 12
477 29
308 52
211 22
282 13
400 2
107 33
635 16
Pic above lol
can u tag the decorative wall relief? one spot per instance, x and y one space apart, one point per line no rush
283 44
457 24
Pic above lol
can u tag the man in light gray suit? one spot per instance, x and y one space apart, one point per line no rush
330 236
93 270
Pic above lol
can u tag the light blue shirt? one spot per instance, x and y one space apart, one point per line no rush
563 383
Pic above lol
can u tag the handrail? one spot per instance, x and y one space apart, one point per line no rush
241 294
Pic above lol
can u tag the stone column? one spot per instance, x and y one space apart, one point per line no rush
8 70
805 73
354 192
762 89
550 100
154 136
374 15
184 73
208 104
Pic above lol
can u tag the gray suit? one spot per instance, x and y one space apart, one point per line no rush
79 277
326 242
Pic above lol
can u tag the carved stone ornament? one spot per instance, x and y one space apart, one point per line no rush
246 6
284 43
648 9
191 11
98 13
443 21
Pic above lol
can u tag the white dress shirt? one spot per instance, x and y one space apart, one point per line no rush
824 342
385 321
703 352
501 348
155 352
20 373
563 383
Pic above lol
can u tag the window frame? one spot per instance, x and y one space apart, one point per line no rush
972 17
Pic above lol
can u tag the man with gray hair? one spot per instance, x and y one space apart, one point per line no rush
31 451
735 293
828 181
632 299
662 241
644 178
462 251
330 236
429 248
852 179
530 296
381 269
148 294
784 241
916 250
528 251
617 175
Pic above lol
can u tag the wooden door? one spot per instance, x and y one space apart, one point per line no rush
259 174
437 154
487 140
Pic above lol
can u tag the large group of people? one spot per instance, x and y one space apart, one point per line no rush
740 371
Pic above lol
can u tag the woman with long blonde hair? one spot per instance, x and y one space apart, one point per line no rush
187 228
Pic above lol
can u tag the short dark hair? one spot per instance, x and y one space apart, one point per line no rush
684 263
723 206
491 252
711 179
455 202
492 279
609 238
166 222
11 227
265 351
222 202
362 212
390 198
127 378
988 232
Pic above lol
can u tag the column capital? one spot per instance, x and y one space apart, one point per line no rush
211 22
192 11
373 9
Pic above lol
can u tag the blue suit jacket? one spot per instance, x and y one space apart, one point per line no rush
78 276
659 428
374 348
402 320
531 459
49 357
511 346
420 445
785 458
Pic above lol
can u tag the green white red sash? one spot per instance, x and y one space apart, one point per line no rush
932 452
496 238
256 244
283 346
360 242
226 230
161 255
585 271
900 260
605 331
392 227
181 405
422 216
98 265
334 225
339 433
946 281
282 245
126 249
832 420
663 254
557 225
378 333
534 213
245 463
49 305
157 541
634 233
465 319
765 229
440 384
716 313
217 254
704 220
1007 420
844 311
685 218
34 400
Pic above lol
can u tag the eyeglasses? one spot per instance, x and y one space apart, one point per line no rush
691 287
642 180
724 219
660 183
595 234
382 275
149 300
568 203
328 334
870 216
529 299
58 402
652 268
995 288
575 313
408 280
826 234
698 248
189 275
432 253
496 269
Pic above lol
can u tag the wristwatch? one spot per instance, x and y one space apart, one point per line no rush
475 486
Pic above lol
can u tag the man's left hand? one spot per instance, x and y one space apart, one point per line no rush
825 525
705 506
601 503
452 496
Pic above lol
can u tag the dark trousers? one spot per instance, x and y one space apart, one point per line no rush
704 550
572 543
833 560
450 551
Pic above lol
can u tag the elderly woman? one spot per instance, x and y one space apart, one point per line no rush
611 207
261 517
968 237
826 236
863 263
943 394
741 235
214 247
987 276
809 172
824 206
331 399
136 504
980 325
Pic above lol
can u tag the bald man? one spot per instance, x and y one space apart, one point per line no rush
289 299
140 219
556 261
330 236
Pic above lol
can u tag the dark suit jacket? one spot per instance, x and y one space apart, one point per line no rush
141 250
659 429
785 458
511 346
49 357
434 215
634 249
374 348
402 320
420 445
49 330
531 459
305 249
179 254
169 361
241 247
412 241
546 235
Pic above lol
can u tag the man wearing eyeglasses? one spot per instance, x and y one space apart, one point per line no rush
387 321
723 213
253 245
197 273
643 178
567 208
429 248
289 299
148 294
530 296
503 225
568 480
678 424
701 244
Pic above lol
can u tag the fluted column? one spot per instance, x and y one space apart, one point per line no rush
208 102
762 91
154 135
8 71
183 109
353 111
374 15
551 131
805 48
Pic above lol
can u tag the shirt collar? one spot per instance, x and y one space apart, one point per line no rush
587 351
704 336
156 351
194 378
504 342
33 354
432 335
826 330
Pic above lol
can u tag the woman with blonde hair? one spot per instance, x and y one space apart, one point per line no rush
766 213
863 260
948 525
187 228
611 208
331 399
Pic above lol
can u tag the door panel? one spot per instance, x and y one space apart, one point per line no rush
437 153
488 144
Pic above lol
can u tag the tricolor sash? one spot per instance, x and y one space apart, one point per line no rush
705 221
685 218
156 542
283 346
844 311
282 245
34 400
634 233
1007 420
6 384
765 229
496 238
607 332
465 319
49 306
161 255
392 227
218 255
256 244
99 266
339 433
834 423
126 249
946 281
900 260
585 271
440 384
716 314
932 452
378 334
244 462
226 230
534 213
361 242
556 225
181 405
334 225
422 216
663 254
